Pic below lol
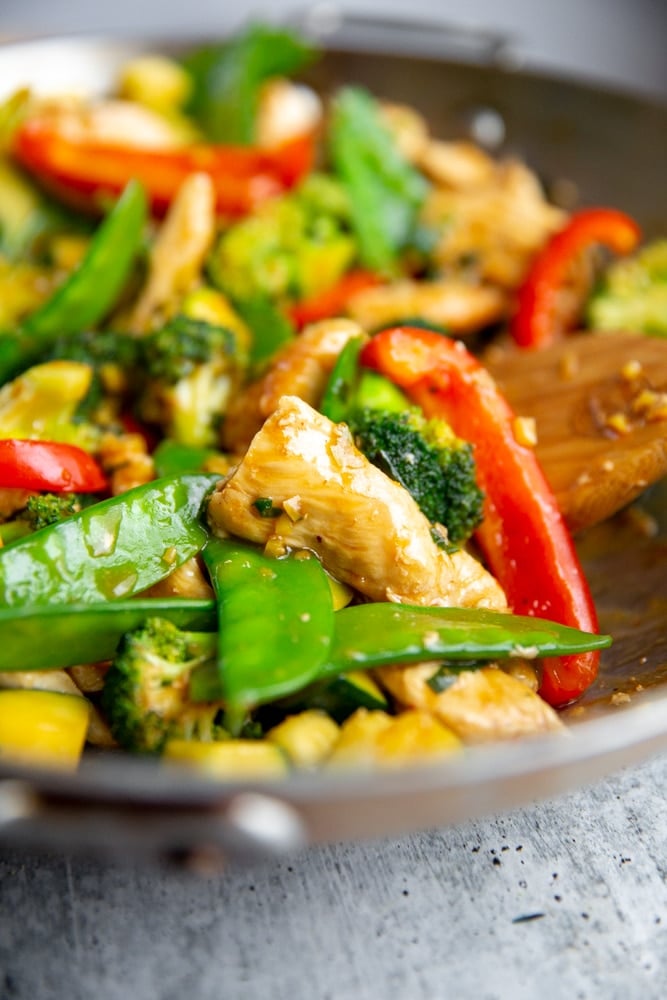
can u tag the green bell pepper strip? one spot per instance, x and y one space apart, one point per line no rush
275 622
92 289
111 550
58 636
377 635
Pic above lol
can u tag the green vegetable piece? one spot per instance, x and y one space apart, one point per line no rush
192 368
338 398
111 550
633 294
145 696
90 292
270 328
172 458
43 509
86 633
340 697
227 79
351 388
429 461
385 191
23 213
44 403
376 635
275 623
264 507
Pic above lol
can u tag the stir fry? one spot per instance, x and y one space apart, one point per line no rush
261 508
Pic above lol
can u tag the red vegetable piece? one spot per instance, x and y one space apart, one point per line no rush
523 535
332 301
48 465
535 322
85 172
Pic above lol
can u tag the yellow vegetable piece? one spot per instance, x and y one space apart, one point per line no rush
68 250
41 402
358 736
414 736
363 680
231 760
306 738
211 306
156 81
340 593
381 740
42 728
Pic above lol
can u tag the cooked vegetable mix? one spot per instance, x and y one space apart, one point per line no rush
259 508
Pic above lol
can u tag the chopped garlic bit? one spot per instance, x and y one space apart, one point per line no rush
292 507
632 370
525 431
619 423
526 652
568 365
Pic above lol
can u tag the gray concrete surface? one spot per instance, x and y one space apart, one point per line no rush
563 900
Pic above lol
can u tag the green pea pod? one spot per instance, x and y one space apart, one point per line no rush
275 623
351 388
111 550
376 635
339 393
90 291
172 458
86 633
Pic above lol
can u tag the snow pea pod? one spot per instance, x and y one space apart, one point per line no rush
87 633
173 458
376 635
275 622
111 550
92 289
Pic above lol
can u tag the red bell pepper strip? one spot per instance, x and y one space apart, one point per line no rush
334 300
48 465
523 535
535 322
85 172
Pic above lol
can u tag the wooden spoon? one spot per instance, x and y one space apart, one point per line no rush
600 406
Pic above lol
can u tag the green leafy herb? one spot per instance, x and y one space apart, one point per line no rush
227 79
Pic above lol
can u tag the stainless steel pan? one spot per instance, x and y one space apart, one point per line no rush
606 147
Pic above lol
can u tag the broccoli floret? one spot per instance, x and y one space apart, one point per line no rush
633 294
43 509
145 696
192 368
114 360
429 461
293 247
173 352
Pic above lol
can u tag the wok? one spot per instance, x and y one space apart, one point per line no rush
595 146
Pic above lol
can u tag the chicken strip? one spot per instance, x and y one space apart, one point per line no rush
178 253
480 706
460 306
301 369
500 225
366 529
